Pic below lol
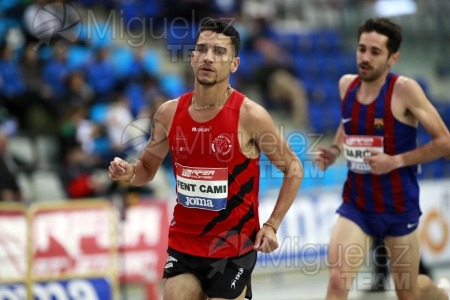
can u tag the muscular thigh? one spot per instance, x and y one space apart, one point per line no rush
349 245
404 252
183 287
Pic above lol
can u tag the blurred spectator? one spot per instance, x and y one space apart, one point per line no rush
101 76
76 129
280 88
137 67
91 136
11 81
15 38
39 112
10 165
8 123
78 92
118 117
77 174
145 95
31 68
262 16
153 96
67 131
55 72
12 85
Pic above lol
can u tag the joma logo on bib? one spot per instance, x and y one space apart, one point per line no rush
194 201
202 203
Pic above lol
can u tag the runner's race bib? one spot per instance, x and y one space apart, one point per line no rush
357 147
202 188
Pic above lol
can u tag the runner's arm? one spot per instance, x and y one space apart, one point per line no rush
416 102
275 147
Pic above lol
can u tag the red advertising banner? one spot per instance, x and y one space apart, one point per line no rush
77 239
73 239
82 240
143 242
13 242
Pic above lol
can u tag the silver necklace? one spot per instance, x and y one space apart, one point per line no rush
211 105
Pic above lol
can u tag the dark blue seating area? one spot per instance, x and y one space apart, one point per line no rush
318 59
180 39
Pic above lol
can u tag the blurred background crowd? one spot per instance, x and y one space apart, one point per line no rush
80 80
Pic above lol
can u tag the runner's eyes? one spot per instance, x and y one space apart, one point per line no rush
217 50
202 49
220 51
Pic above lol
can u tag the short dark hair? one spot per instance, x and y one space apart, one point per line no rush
385 27
220 26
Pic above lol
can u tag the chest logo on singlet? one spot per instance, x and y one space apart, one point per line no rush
221 144
201 129
378 123
357 147
202 188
